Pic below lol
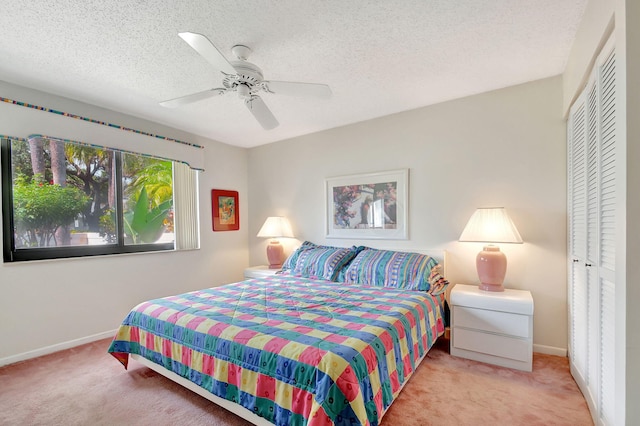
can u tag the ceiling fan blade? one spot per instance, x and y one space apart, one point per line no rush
261 112
194 97
299 89
209 51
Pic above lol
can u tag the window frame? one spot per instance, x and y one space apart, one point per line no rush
11 254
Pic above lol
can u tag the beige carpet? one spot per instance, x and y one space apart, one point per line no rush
86 386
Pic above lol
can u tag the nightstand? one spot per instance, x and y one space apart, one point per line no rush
259 272
492 327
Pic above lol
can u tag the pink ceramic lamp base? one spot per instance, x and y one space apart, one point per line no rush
492 267
491 287
275 254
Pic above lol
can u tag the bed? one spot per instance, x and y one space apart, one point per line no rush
331 340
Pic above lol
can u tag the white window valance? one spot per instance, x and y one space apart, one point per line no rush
23 120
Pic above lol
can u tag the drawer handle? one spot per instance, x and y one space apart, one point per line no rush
576 260
588 265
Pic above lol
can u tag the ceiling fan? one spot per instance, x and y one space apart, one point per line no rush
244 78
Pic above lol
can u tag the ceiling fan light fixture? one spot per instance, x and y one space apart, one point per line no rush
244 92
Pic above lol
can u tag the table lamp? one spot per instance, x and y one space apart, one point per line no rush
275 227
491 225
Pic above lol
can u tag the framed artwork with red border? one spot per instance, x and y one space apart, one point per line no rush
225 212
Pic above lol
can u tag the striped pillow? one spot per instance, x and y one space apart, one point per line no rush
290 263
403 270
314 261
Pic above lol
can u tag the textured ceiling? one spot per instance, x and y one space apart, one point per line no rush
378 57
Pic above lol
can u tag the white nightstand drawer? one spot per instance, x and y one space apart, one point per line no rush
491 321
492 344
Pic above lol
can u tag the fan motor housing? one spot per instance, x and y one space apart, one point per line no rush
248 75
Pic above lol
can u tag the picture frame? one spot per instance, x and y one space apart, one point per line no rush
225 211
368 206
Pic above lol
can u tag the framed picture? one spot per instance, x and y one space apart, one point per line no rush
372 205
224 210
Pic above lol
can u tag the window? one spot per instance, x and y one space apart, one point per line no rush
64 199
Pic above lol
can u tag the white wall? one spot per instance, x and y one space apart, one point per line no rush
503 148
628 32
632 243
47 304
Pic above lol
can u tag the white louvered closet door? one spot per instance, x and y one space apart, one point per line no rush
607 236
578 348
592 226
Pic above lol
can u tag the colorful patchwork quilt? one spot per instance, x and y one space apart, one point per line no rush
293 350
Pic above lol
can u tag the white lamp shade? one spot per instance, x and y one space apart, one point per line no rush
276 227
491 225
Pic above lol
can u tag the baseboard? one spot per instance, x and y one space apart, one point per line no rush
55 348
550 350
